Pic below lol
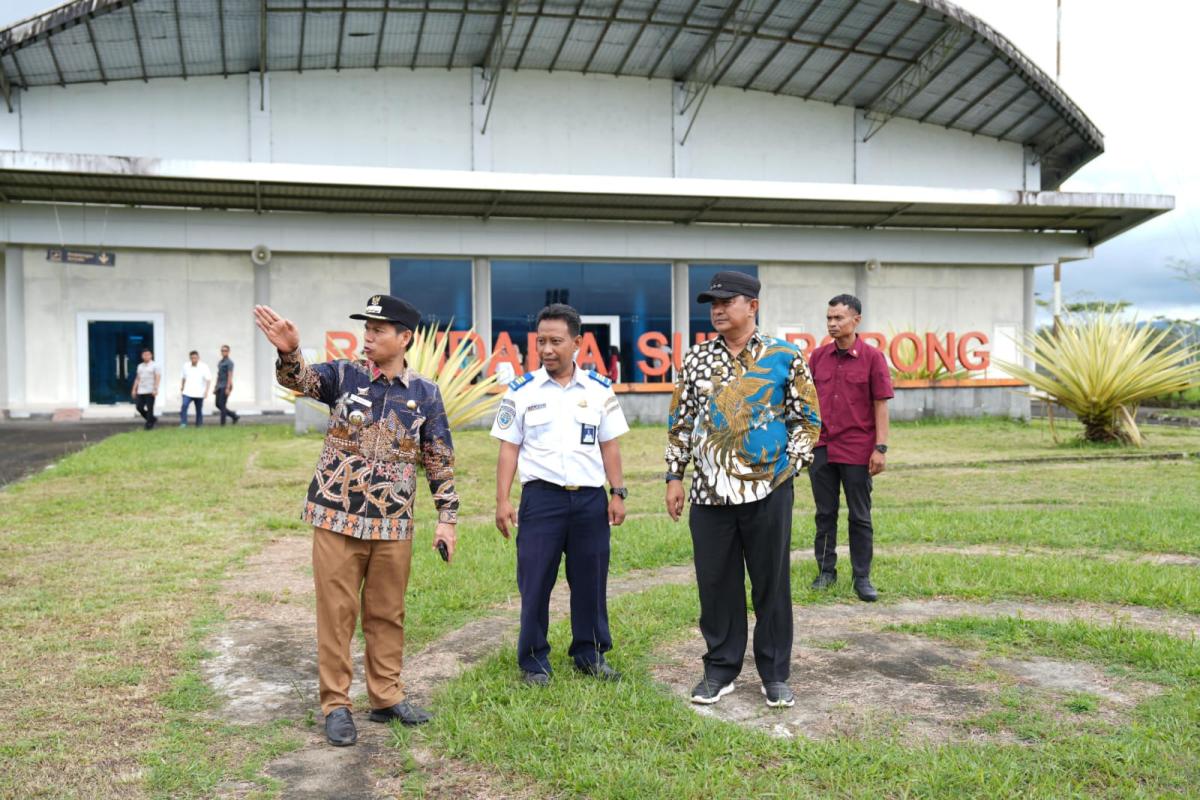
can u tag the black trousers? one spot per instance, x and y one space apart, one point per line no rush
144 404
828 481
553 521
221 395
728 542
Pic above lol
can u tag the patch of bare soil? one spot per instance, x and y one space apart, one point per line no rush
853 679
264 664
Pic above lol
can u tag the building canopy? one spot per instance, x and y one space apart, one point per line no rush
928 61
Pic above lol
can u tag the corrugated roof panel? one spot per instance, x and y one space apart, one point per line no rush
599 41
967 97
436 41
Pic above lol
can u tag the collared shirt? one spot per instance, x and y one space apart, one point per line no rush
748 423
224 367
379 432
848 384
560 428
147 373
196 378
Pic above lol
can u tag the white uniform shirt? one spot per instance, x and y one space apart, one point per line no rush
559 428
196 379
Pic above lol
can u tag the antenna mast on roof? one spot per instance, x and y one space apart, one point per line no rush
1058 79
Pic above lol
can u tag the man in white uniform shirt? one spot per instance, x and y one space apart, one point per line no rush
558 426
194 387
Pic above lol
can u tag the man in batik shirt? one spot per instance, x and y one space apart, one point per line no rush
745 415
385 421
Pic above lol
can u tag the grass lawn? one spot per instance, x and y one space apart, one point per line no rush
111 565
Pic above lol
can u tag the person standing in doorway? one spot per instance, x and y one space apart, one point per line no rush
385 421
853 385
558 426
744 414
145 387
194 385
224 386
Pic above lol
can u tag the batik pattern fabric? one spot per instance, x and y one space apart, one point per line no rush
746 423
380 431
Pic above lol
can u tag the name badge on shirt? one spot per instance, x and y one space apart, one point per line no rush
587 434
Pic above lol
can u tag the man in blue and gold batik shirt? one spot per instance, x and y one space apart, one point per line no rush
744 414
385 421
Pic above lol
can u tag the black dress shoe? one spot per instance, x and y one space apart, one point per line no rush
404 711
865 591
600 670
339 728
825 580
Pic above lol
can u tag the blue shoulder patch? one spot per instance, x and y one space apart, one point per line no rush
521 381
598 378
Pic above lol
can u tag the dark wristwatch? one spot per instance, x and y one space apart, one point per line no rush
621 492
670 476
882 448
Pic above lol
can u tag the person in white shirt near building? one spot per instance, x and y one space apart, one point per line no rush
145 387
194 386
558 426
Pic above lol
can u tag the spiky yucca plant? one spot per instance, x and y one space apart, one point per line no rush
465 401
1101 367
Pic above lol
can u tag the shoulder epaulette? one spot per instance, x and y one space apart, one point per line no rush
521 381
598 378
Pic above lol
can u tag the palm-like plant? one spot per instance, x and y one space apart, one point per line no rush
1101 367
466 399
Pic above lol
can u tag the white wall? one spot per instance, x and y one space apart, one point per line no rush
206 298
901 297
753 135
390 118
200 118
540 122
904 152
580 124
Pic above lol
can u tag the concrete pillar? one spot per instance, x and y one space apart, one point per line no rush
264 353
862 286
14 327
1030 321
481 299
681 306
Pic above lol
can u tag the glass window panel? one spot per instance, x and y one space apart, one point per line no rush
699 276
441 289
637 295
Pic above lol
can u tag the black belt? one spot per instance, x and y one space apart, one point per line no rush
569 488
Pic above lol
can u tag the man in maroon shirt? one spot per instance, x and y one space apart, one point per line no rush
853 387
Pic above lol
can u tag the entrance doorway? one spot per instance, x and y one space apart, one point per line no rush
114 351
607 331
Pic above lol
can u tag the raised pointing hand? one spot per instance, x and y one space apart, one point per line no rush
279 331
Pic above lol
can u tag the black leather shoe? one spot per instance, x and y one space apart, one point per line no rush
600 670
825 580
865 591
535 678
339 728
404 711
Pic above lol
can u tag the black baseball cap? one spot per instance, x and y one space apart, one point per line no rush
391 309
729 284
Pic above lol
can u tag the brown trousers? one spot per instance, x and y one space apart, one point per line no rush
345 568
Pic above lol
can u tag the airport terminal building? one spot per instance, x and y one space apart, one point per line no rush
167 164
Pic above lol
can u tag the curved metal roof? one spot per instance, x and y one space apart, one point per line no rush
925 60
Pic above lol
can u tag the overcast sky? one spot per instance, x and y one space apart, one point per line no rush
1130 67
